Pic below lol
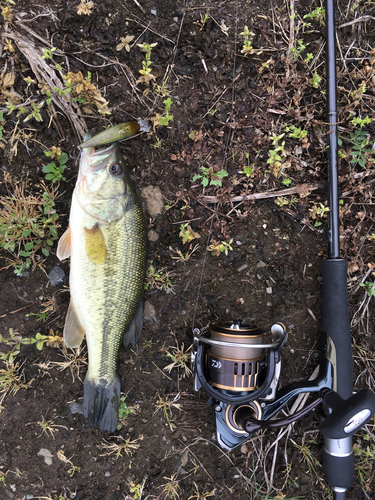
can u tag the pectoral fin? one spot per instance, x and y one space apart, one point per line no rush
132 334
73 330
95 245
64 246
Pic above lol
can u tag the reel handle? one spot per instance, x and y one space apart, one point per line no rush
347 416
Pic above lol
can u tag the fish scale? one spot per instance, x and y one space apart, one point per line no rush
107 245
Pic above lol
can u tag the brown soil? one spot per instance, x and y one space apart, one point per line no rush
225 108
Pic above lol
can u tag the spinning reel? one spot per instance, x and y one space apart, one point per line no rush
239 367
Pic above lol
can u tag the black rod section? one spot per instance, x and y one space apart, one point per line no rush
333 196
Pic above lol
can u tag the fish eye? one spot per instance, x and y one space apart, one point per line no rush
115 169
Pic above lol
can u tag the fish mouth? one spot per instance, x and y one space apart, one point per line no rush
96 160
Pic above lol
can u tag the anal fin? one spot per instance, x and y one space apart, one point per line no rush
64 246
132 334
73 330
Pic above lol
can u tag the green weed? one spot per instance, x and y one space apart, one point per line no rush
318 15
187 234
55 172
15 341
369 288
146 73
28 227
359 139
209 177
247 48
158 279
218 247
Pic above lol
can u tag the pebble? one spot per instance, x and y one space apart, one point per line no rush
46 454
149 313
107 474
75 407
154 200
152 235
242 268
269 290
56 276
261 264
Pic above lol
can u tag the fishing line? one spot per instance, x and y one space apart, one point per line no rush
224 165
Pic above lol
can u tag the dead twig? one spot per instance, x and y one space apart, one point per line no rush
302 189
358 20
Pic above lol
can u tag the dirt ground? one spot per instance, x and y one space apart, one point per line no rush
230 101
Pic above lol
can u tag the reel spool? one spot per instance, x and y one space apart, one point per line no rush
239 368
235 368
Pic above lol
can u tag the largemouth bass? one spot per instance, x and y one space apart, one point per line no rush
106 242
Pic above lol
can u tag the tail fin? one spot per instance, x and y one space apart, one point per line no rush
101 401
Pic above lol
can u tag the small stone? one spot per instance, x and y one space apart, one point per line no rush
9 494
269 290
149 313
175 19
46 454
152 235
153 12
75 407
56 276
154 200
242 268
244 449
261 264
107 474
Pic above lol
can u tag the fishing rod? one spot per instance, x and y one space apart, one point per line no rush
239 365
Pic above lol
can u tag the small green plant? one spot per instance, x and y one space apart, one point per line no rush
124 446
317 15
284 201
297 51
167 405
209 177
247 48
28 226
204 18
48 53
318 212
166 118
357 121
218 247
369 288
123 412
158 279
309 57
180 357
315 80
10 380
276 156
15 341
48 426
42 316
360 142
187 234
7 12
73 468
147 76
287 182
180 257
295 132
55 172
171 488
247 169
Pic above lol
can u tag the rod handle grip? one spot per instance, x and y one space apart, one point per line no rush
336 323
